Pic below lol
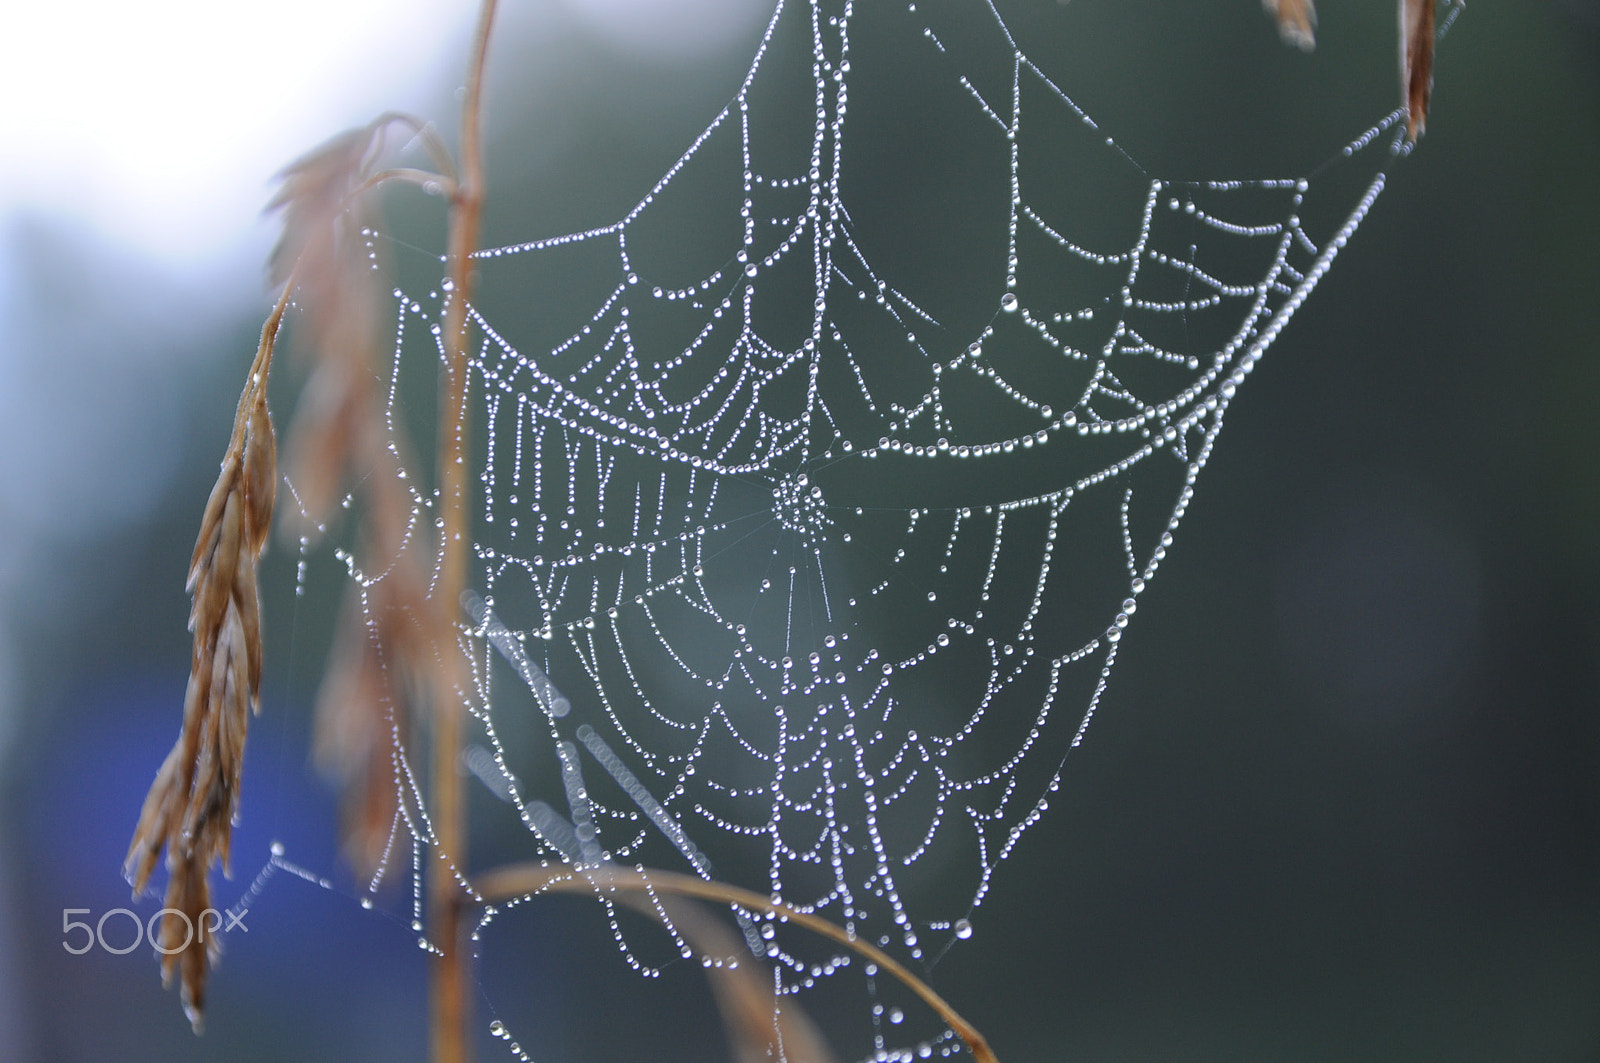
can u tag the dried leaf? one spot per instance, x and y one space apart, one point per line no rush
247 599
313 195
191 805
361 710
260 468
151 832
215 581
190 808
206 541
339 435
1416 62
1297 21
330 413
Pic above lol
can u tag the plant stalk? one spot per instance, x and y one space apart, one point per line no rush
521 880
449 1009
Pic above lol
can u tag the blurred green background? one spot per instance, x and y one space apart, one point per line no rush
1342 801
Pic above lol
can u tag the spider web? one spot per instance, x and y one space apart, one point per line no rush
807 537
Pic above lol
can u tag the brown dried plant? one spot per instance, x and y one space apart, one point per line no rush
1416 62
410 625
399 655
398 661
363 710
1297 24
190 807
1297 21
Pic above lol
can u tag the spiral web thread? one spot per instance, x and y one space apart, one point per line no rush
803 561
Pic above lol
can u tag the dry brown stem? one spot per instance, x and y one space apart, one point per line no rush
522 880
449 1003
340 436
1416 62
364 711
1297 24
191 806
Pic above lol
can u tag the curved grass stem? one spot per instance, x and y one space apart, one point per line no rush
521 880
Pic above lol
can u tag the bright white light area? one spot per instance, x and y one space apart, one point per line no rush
161 122
138 141
671 30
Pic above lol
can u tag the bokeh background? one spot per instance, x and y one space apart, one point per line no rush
1343 799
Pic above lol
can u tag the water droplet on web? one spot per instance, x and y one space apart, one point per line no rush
896 1016
963 929
1008 302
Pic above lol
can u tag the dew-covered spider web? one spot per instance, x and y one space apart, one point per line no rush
808 527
